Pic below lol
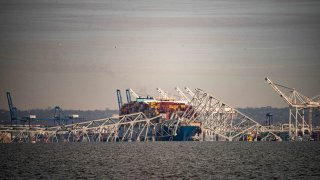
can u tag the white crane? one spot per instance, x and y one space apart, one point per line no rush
133 93
297 103
182 94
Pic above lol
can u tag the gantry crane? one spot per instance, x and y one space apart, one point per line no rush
60 119
12 110
14 113
297 104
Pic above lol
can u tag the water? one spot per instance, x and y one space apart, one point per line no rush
164 160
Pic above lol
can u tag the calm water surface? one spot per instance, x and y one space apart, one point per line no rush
164 160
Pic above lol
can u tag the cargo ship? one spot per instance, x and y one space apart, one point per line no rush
164 107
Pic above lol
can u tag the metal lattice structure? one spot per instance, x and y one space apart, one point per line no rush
213 116
127 128
298 103
183 96
316 98
221 119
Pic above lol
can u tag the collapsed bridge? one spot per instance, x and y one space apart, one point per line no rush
133 127
220 119
215 119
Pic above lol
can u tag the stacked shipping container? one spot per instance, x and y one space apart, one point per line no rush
151 107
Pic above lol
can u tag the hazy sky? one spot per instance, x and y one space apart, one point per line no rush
75 54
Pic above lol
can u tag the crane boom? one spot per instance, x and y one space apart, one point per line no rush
133 93
282 95
10 103
182 94
296 99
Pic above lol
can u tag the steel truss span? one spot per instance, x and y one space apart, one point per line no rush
220 119
132 127
215 118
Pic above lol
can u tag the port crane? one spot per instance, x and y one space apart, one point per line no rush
269 119
59 119
119 99
297 104
182 94
12 110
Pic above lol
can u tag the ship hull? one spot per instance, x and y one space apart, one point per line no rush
184 133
